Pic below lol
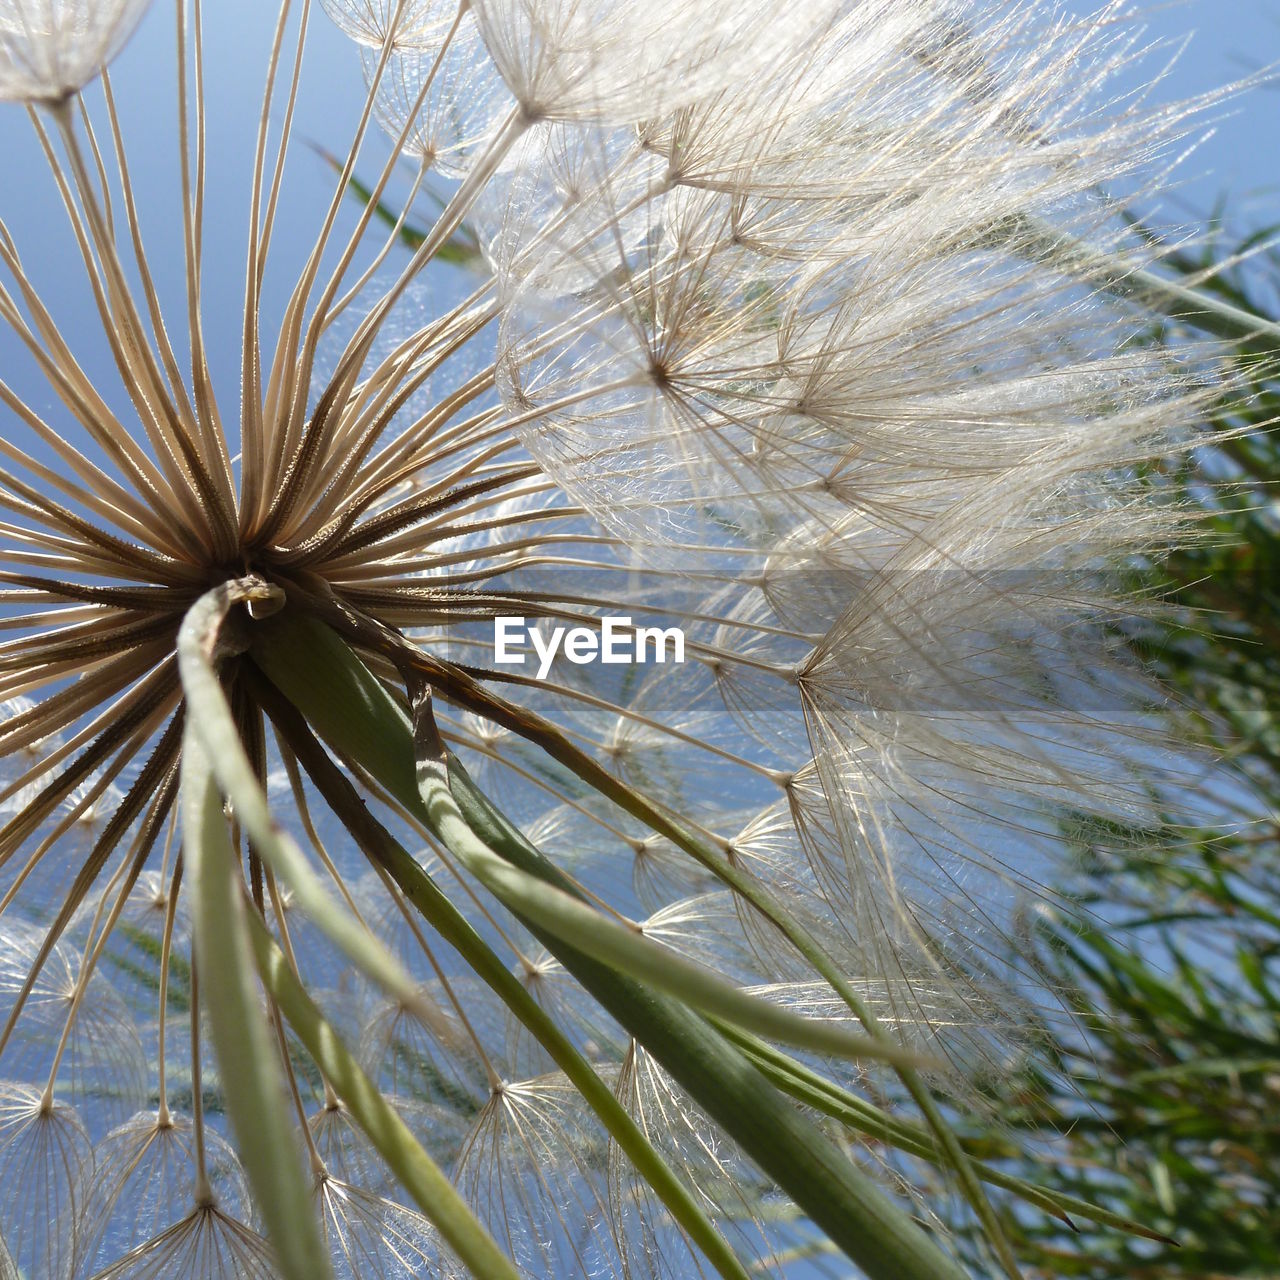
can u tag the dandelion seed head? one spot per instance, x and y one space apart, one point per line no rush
444 112
369 1235
748 319
45 1152
50 49
143 1184
204 1245
416 24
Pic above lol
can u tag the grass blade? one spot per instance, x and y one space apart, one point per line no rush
425 1181
251 1079
352 711
422 892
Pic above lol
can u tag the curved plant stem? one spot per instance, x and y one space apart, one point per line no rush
459 687
211 631
1194 307
351 710
816 1091
429 1186
250 1076
381 847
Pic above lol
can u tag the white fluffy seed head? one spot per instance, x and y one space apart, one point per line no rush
612 63
827 289
443 97
774 342
408 24
49 49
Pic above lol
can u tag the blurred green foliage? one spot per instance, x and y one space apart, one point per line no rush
1166 1103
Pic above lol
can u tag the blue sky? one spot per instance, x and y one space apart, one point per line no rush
1228 39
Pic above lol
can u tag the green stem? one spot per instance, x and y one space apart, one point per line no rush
425 1181
561 913
457 686
250 1078
814 1090
377 843
1200 310
211 631
350 709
